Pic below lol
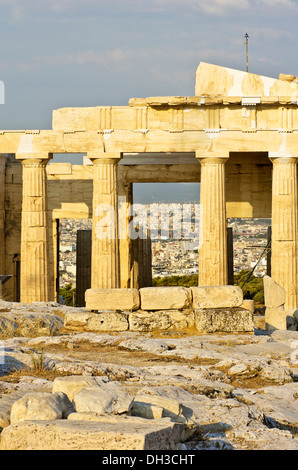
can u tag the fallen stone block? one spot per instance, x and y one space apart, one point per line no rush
40 406
112 299
217 297
99 321
170 408
275 295
224 320
161 320
165 298
72 384
146 410
181 433
107 399
91 435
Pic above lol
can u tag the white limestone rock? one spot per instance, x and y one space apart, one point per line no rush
40 406
108 399
71 385
91 435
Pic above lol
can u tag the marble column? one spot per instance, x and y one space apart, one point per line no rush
213 260
2 213
34 229
284 226
125 243
105 263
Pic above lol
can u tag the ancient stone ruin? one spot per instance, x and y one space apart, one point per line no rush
205 370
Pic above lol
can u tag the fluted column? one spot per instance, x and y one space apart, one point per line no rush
2 213
34 229
213 265
105 265
284 226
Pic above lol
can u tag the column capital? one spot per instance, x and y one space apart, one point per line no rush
34 159
282 157
99 158
212 157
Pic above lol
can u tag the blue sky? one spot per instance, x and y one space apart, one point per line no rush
56 53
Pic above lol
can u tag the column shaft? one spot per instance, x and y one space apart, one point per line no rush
2 214
105 265
284 227
213 266
34 232
125 243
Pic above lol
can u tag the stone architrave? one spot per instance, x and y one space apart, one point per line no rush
213 262
34 230
284 269
105 264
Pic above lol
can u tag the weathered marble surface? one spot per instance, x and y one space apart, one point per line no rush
238 390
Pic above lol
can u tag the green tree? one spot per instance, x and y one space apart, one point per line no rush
69 295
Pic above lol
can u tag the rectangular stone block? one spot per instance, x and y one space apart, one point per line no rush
89 435
161 320
224 320
112 299
275 319
165 298
217 297
97 321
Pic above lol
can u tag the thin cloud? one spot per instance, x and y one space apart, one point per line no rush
106 58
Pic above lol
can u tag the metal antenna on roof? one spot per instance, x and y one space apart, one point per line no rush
246 43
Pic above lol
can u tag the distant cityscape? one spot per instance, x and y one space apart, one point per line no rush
173 256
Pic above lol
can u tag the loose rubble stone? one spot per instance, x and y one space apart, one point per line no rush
71 385
165 298
40 406
107 399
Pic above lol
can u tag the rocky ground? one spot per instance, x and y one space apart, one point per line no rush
239 391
